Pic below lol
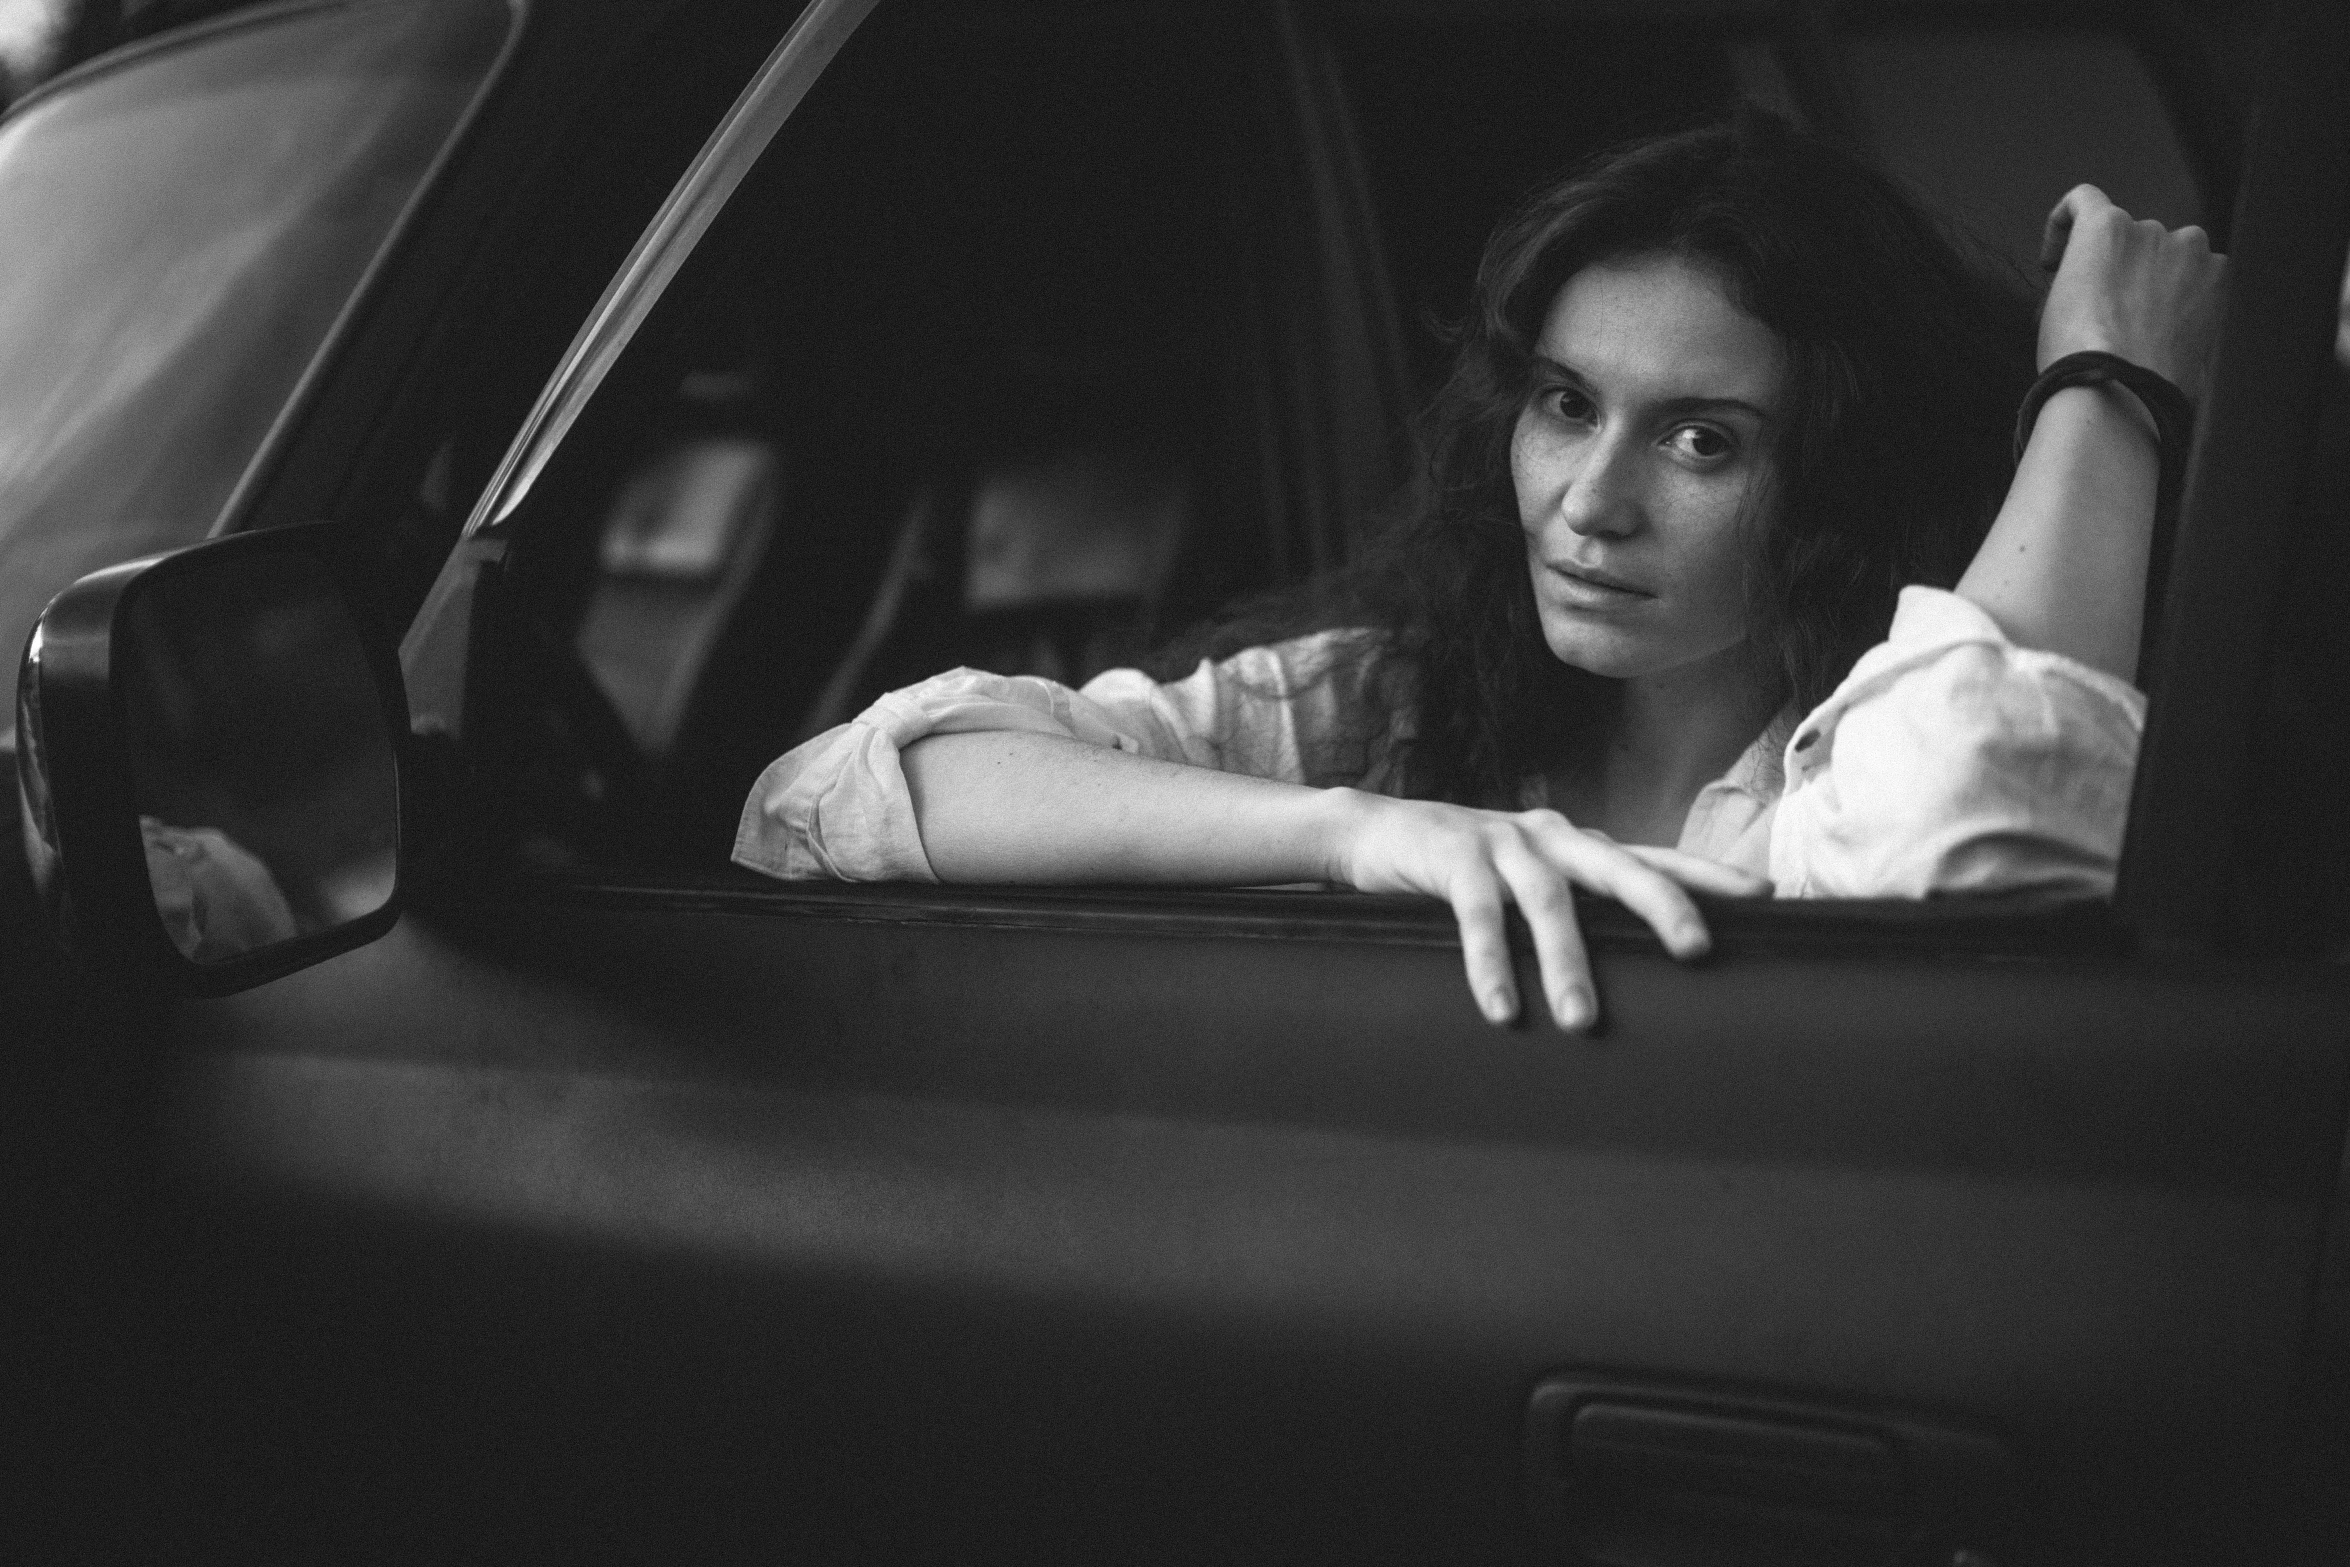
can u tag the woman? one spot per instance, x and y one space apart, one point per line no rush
1724 399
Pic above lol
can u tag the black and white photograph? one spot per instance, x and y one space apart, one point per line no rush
1176 782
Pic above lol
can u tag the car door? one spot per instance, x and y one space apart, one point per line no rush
189 225
618 1203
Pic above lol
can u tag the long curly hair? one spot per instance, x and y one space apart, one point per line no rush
1907 349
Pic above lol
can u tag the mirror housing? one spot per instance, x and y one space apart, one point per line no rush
208 765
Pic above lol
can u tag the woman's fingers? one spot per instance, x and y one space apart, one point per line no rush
1605 866
1546 898
2057 232
1700 874
1443 851
1481 861
2129 286
1546 858
2059 229
1476 899
1652 895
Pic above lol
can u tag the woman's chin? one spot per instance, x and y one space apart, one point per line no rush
1616 652
1601 651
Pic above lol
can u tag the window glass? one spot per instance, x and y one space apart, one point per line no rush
183 231
629 118
1022 414
1993 127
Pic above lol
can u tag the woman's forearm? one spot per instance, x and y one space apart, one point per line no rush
2064 566
1018 807
994 806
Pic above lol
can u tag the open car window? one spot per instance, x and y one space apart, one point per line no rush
1082 379
1055 397
1032 412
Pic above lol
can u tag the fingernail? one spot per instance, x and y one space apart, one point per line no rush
1573 1007
1497 1006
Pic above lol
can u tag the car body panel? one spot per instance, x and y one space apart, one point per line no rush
2092 1235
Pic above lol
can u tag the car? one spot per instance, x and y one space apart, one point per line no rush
451 445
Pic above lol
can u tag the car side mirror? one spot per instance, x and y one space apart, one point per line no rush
207 764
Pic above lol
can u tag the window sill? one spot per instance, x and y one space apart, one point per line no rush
2025 926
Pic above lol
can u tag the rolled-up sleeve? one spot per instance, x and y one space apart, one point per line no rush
1952 760
838 806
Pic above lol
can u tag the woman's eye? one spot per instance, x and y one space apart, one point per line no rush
1701 442
1570 405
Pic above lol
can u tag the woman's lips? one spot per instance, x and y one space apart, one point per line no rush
1580 585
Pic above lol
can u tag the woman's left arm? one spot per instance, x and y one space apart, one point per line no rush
2063 568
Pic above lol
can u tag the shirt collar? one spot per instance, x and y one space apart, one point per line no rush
1761 769
1759 772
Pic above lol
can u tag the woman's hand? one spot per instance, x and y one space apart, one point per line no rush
1479 860
2131 287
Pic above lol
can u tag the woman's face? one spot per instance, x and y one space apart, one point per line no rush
1634 461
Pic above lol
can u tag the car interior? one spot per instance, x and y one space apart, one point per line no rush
1040 412
938 393
1008 411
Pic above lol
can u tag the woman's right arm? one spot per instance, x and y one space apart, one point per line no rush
1005 807
1012 807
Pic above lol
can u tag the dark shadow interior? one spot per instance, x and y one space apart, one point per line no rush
1460 123
936 392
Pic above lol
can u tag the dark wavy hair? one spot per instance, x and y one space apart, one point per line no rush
1907 350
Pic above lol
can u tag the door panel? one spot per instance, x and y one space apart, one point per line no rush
2066 1197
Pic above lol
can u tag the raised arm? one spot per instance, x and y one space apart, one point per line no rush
2064 566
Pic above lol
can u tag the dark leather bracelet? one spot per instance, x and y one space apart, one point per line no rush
2174 416
2174 430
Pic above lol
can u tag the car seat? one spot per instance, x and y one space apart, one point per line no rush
1045 565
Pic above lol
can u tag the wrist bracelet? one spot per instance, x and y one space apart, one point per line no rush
2174 430
2174 416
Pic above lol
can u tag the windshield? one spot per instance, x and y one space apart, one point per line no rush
178 235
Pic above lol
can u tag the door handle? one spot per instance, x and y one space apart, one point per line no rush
1625 1473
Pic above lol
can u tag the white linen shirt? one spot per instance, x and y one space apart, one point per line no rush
1949 760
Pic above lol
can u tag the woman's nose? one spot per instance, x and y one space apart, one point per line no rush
1602 495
